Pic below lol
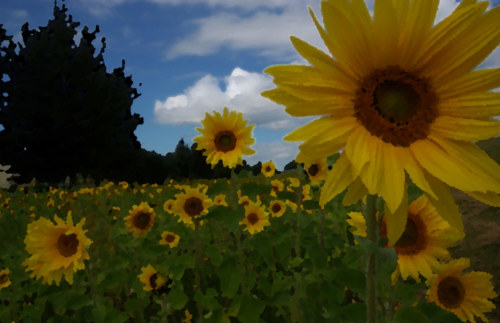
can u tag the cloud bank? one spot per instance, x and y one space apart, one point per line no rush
240 91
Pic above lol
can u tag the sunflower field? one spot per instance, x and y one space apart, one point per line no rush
290 261
367 228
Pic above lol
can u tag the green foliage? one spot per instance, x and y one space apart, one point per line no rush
62 112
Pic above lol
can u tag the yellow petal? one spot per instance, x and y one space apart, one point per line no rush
464 129
320 130
477 105
489 197
358 150
392 181
442 34
447 168
338 178
385 26
396 221
415 171
339 106
445 203
356 191
471 83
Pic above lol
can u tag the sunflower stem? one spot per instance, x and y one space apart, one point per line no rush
370 213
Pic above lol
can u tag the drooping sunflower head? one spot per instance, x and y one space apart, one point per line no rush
220 200
276 186
56 249
464 294
424 242
268 168
277 208
168 206
169 238
225 137
399 95
140 219
4 278
256 218
191 204
151 278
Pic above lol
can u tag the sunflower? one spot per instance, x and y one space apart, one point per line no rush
225 137
191 204
168 206
277 208
56 249
151 279
316 170
169 238
256 218
4 278
276 186
220 200
424 241
465 295
268 168
140 219
399 94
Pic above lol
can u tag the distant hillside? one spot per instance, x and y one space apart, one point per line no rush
492 147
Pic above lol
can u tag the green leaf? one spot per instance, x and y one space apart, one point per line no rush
78 301
351 313
207 300
250 309
229 276
177 299
214 254
436 314
409 314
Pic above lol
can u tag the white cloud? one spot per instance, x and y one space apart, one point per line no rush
264 31
280 152
241 91
445 8
247 5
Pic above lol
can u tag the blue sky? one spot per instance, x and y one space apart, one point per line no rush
195 56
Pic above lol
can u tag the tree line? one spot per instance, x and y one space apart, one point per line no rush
62 113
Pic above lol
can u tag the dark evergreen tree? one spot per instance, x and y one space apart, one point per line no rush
62 113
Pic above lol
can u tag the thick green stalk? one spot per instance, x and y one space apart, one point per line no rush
370 213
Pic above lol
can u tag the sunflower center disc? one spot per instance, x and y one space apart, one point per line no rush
313 170
4 278
152 281
67 244
396 106
252 218
170 238
451 292
276 208
225 141
414 238
193 206
142 220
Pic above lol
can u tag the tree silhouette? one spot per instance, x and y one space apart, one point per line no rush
62 113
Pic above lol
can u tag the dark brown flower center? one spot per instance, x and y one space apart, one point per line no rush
451 292
414 238
141 220
152 280
276 208
170 238
67 244
244 203
396 106
252 218
268 169
313 170
225 141
193 206
4 278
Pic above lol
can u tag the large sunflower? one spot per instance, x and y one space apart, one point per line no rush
140 219
191 204
56 249
399 94
225 137
467 295
423 243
